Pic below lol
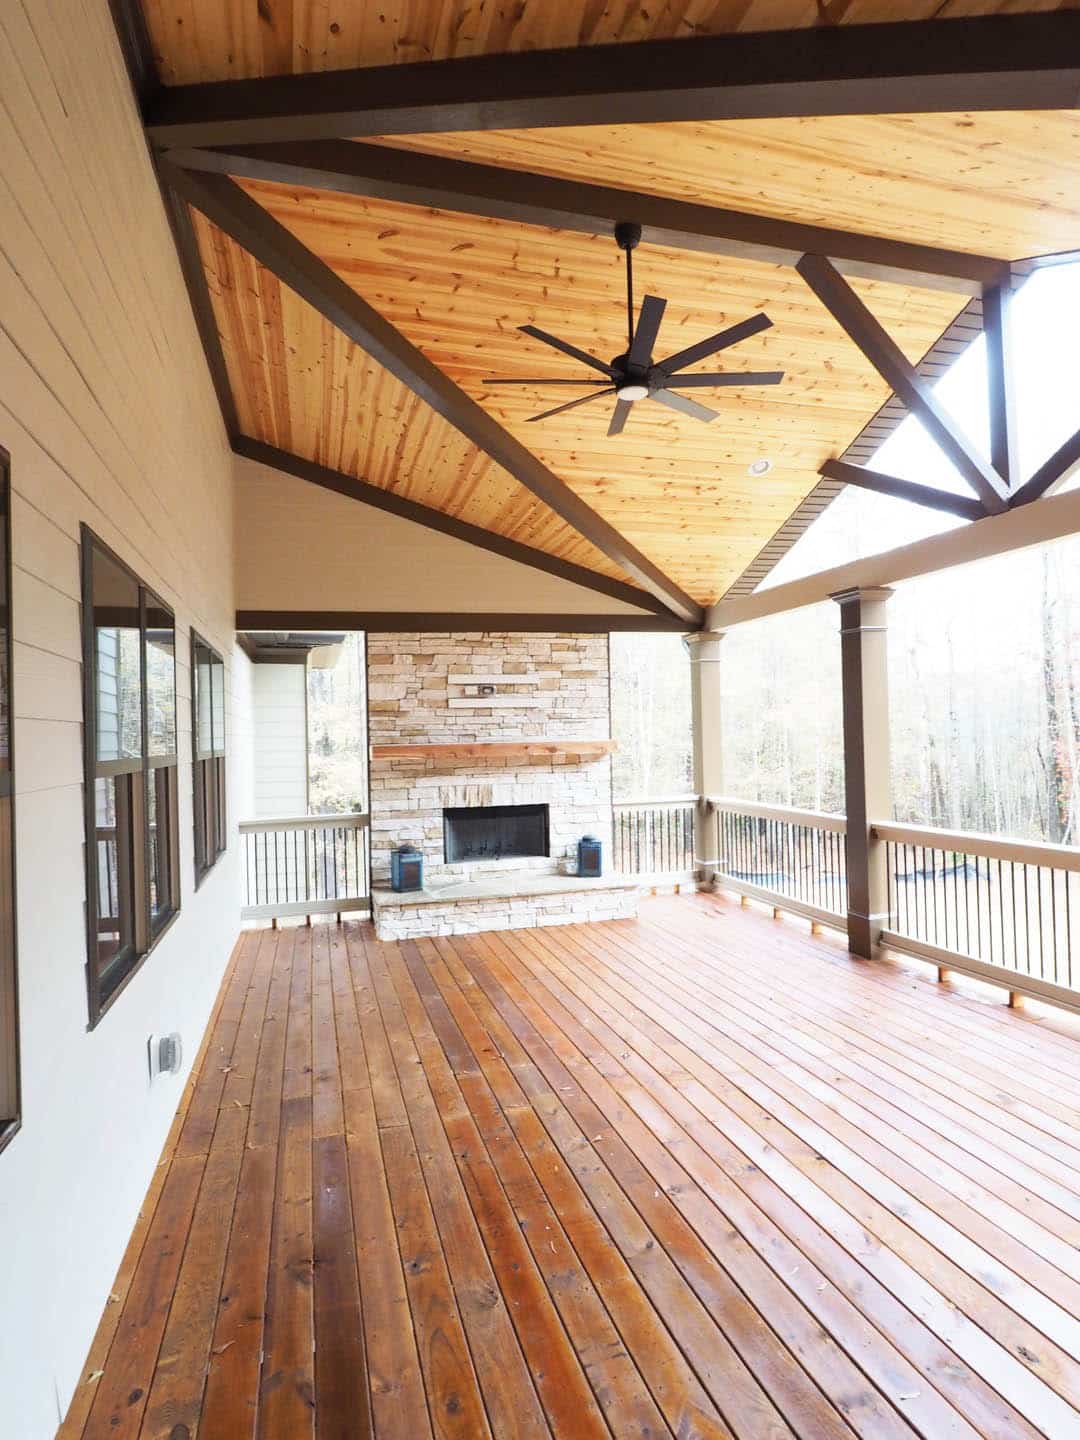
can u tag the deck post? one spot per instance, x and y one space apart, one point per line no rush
864 672
703 647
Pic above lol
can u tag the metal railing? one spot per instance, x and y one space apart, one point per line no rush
1001 909
796 859
307 865
654 839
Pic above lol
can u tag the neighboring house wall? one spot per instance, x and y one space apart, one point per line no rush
110 417
279 740
300 547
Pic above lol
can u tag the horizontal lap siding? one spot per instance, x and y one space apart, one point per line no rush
110 420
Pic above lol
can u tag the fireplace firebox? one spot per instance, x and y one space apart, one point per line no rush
495 832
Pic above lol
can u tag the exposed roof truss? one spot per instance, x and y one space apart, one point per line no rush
291 129
1016 62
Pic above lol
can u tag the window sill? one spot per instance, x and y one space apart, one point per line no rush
104 1009
8 1130
201 875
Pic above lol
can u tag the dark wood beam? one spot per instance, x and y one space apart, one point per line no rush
133 37
191 266
890 362
361 490
129 22
224 203
997 300
1051 474
1015 62
433 181
395 622
859 475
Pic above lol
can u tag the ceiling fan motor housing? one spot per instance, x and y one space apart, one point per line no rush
641 379
627 234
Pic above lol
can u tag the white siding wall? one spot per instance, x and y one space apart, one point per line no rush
279 694
303 548
110 419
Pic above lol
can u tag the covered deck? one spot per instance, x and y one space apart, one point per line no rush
695 1175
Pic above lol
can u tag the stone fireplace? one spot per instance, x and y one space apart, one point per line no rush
491 754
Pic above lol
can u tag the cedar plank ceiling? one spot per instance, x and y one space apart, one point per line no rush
458 286
301 385
197 40
1004 184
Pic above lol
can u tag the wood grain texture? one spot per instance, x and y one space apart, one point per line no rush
1004 184
696 1175
459 286
301 385
233 39
506 749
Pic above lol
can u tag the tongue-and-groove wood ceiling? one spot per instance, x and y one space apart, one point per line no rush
459 285
231 39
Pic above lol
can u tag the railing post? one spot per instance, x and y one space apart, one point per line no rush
864 670
703 647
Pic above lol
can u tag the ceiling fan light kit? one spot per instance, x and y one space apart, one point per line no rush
634 375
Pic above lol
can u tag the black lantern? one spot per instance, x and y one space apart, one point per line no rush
590 856
406 868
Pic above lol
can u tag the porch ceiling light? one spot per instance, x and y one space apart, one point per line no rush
632 392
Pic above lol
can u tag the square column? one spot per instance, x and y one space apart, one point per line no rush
703 647
865 678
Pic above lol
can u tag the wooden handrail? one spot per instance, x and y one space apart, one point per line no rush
993 847
354 820
813 819
654 804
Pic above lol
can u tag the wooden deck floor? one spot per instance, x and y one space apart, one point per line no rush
693 1176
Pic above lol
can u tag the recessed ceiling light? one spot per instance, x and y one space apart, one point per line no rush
759 467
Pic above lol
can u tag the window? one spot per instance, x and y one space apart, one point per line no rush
9 1012
208 742
129 711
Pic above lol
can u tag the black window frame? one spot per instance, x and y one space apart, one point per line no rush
144 928
10 1060
208 779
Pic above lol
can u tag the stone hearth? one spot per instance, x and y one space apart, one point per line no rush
506 902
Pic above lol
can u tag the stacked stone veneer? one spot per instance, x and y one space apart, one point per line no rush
409 695
506 913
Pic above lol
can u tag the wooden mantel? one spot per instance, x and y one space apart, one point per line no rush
480 750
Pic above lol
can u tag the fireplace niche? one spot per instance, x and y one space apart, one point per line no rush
495 832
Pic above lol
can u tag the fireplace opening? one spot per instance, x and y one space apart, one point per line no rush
494 832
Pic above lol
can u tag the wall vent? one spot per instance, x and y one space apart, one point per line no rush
166 1053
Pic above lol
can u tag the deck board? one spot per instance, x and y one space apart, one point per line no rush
696 1175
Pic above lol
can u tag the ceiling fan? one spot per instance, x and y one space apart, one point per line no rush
634 375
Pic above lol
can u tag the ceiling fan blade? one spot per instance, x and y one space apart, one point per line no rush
567 349
720 341
646 331
573 404
684 404
727 377
542 380
619 416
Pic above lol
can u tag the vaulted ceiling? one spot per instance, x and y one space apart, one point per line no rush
456 280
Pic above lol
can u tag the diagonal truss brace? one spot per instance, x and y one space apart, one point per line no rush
1004 470
963 505
889 361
